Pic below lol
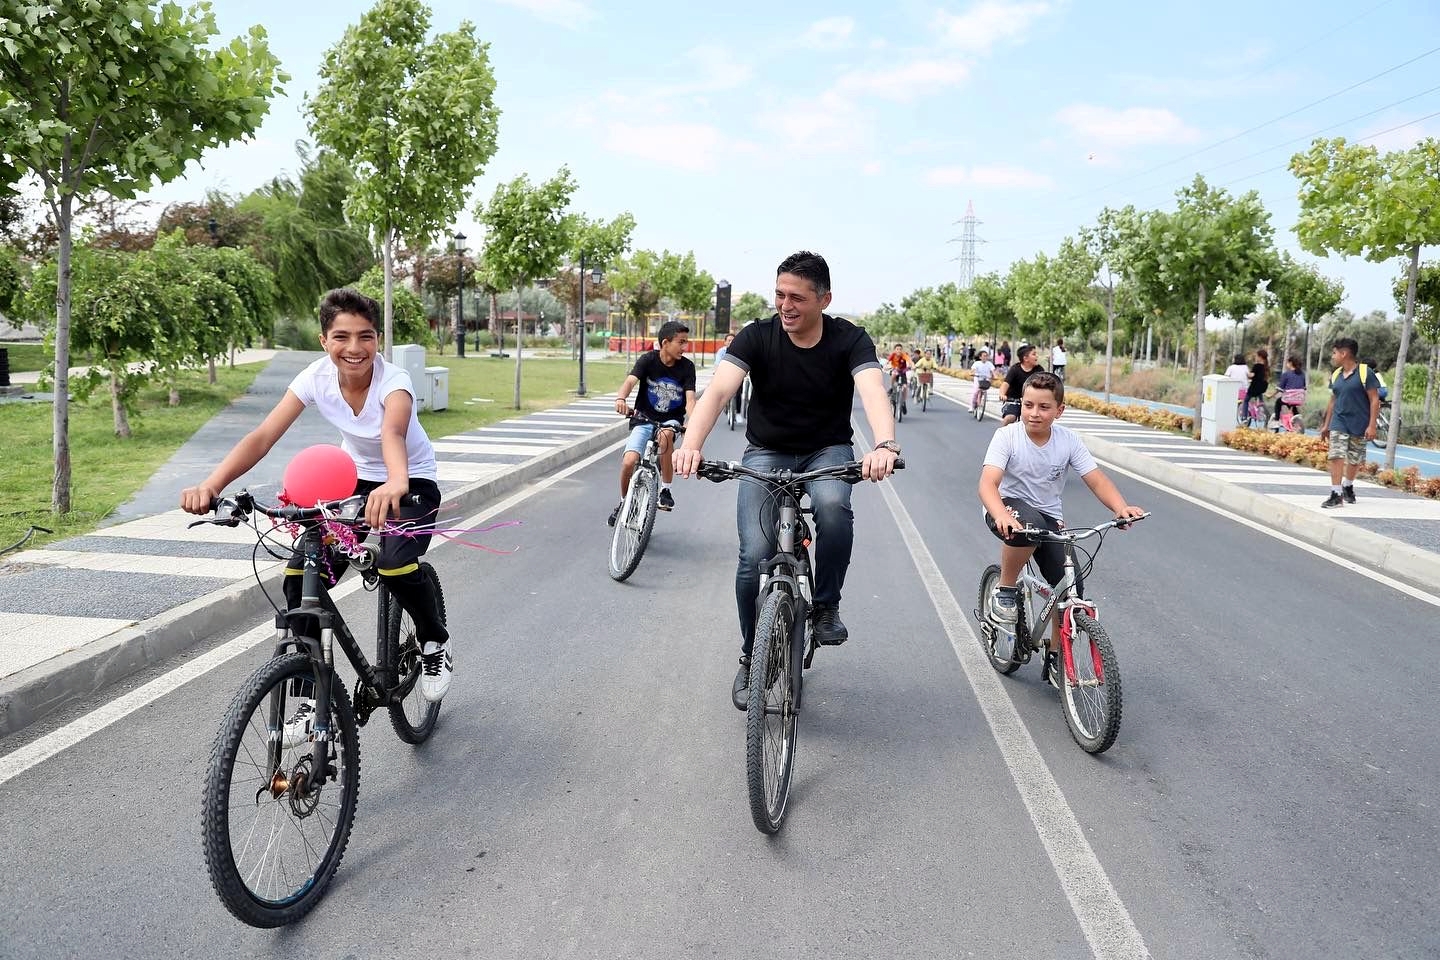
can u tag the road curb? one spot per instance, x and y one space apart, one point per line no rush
1403 561
35 692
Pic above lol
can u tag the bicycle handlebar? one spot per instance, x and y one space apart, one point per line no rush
1073 536
677 426
722 470
349 509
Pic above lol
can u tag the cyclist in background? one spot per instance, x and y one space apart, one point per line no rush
984 372
1012 387
899 364
924 365
1021 485
667 396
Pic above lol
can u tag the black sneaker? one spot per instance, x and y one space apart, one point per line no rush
666 502
1348 493
1334 500
740 689
1054 668
615 514
828 630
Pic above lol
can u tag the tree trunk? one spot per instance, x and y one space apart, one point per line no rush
497 325
212 379
1430 384
519 342
60 421
1109 335
1199 358
1397 389
174 398
389 293
122 422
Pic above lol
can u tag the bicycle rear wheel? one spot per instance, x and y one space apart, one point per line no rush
1002 644
633 526
771 720
413 717
979 408
1090 689
924 397
272 843
1382 431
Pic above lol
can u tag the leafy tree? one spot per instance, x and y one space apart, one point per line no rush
992 306
636 284
597 244
1105 243
230 320
1300 290
749 306
1355 202
302 234
410 322
1427 321
685 283
416 121
527 234
12 284
107 97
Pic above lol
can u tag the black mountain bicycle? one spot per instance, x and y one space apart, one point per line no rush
284 770
783 634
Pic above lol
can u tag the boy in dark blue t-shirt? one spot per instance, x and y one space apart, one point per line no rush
1349 420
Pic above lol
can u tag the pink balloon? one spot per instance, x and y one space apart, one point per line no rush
321 472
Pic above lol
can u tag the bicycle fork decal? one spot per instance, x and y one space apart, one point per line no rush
1067 649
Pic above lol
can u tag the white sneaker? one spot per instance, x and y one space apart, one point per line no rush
300 726
438 669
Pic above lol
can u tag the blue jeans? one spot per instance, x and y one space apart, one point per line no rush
756 517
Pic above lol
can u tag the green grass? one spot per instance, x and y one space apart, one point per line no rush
108 471
25 357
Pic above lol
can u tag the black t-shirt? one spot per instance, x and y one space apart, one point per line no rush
1259 381
661 395
801 397
1015 378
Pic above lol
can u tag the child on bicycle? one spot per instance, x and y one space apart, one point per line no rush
1291 386
667 396
1021 483
373 405
984 372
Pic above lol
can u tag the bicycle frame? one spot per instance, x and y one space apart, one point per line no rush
787 569
1042 601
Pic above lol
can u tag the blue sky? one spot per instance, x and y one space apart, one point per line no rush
746 130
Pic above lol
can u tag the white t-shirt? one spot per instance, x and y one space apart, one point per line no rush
1237 371
1037 474
1057 356
318 385
983 370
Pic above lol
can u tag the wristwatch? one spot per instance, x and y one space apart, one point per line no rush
890 445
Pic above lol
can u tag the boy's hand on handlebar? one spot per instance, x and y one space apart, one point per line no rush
198 499
686 461
622 407
1129 512
384 503
1008 524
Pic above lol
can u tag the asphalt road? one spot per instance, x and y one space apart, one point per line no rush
1270 794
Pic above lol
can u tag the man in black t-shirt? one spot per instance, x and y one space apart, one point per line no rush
667 395
1013 386
805 368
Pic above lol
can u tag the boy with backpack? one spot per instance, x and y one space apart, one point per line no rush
1349 419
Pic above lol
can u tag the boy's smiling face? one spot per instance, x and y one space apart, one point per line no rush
352 342
1038 410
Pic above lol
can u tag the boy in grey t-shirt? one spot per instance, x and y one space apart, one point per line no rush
1021 483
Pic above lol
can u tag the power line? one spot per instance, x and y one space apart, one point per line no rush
1259 126
1378 133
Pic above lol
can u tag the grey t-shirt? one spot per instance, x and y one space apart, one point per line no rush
1036 474
1352 402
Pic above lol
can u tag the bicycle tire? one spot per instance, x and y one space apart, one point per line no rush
979 409
1382 432
730 406
634 525
399 651
992 635
924 398
236 882
1093 717
771 720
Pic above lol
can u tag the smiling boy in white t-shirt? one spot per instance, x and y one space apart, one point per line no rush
372 404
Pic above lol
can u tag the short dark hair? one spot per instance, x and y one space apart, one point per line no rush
1240 358
669 329
810 266
1022 352
1046 381
346 300
1347 343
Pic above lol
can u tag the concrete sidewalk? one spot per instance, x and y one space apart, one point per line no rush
86 612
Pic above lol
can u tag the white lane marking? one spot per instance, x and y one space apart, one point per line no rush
43 748
1380 578
1106 923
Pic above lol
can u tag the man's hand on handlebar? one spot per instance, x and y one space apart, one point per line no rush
685 461
878 464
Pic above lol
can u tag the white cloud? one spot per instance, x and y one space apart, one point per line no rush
832 33
1001 176
988 22
873 168
1128 127
906 81
1389 137
831 121
715 69
688 146
564 13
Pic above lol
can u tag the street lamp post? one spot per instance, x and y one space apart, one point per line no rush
595 278
460 295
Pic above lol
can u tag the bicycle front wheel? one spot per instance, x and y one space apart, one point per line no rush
1382 432
633 526
1001 645
273 840
924 398
412 716
1090 689
771 720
